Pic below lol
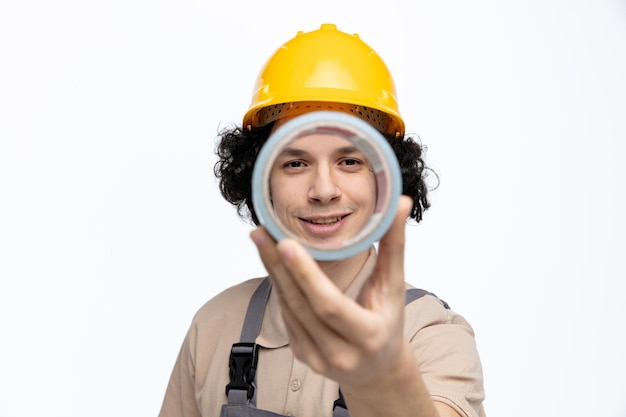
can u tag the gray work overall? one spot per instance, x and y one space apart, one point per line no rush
242 390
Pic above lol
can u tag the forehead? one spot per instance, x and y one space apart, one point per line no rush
319 144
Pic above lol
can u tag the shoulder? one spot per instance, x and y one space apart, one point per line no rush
217 325
429 310
444 344
232 302
222 316
440 336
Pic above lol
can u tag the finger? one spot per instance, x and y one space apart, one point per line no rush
322 349
328 314
316 342
266 246
313 340
304 346
271 259
308 275
389 272
286 282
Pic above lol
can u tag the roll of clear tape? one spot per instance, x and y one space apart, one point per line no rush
369 141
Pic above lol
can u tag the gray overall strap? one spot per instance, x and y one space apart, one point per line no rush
256 310
244 355
412 294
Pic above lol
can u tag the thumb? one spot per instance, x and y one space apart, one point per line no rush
391 247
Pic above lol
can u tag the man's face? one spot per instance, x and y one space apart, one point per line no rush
323 189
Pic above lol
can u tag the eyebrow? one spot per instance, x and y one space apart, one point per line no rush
295 152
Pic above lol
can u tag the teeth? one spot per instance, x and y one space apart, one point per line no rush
325 221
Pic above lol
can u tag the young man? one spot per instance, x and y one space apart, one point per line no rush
334 337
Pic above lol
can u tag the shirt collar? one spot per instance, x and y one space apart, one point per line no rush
273 332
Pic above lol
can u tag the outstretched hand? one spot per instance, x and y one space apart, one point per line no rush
346 340
358 343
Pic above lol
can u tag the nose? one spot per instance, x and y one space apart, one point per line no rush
324 187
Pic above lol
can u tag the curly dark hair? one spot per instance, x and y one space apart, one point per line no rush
238 148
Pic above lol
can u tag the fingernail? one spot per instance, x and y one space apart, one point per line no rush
259 238
287 249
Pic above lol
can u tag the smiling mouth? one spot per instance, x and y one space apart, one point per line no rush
325 221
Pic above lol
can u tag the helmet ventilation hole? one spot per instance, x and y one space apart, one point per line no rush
376 118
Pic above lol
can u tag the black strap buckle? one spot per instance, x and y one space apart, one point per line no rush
242 364
340 402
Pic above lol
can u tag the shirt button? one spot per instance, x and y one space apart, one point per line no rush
295 385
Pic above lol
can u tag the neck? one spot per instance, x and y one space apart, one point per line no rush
343 272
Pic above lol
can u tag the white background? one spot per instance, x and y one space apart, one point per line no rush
113 233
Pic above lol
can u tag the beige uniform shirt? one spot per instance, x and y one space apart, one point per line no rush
442 340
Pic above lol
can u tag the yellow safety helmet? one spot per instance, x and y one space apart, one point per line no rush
326 69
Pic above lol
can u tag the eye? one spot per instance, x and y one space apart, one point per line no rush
351 164
293 164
